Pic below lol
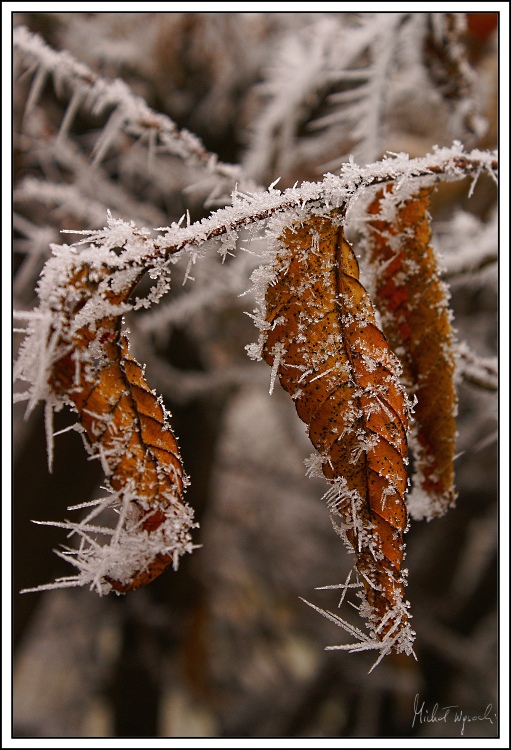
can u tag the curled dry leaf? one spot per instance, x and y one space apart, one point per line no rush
416 321
124 424
332 358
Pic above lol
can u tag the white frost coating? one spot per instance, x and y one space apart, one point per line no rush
399 638
421 505
129 550
278 352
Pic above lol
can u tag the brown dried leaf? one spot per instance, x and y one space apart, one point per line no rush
416 321
123 421
336 364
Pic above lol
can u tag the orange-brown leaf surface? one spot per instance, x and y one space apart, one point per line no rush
416 321
124 424
332 358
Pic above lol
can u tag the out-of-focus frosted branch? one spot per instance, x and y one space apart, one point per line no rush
361 103
333 88
468 247
185 385
326 56
129 113
212 287
67 198
482 372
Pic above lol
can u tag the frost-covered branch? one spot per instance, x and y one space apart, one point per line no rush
362 99
469 248
129 113
482 372
65 198
333 89
140 252
253 210
334 192
323 66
